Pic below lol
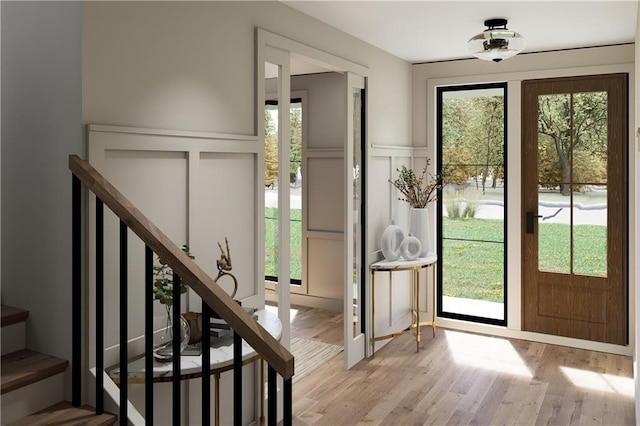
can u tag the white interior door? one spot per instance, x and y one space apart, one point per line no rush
278 52
354 336
277 67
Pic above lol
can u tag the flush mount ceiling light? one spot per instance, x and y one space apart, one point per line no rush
496 42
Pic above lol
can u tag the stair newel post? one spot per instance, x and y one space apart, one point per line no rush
124 321
237 379
206 364
99 306
76 283
148 334
176 349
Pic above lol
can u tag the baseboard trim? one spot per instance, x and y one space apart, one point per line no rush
309 301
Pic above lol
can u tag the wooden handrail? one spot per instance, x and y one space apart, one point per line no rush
264 343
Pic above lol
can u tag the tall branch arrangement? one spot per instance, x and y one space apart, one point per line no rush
418 191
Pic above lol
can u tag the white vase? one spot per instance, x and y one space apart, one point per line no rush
419 228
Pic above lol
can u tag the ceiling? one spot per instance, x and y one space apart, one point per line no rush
428 31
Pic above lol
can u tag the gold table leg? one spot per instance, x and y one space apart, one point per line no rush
416 281
373 312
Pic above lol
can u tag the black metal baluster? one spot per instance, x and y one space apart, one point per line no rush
148 335
176 350
272 390
124 320
99 306
287 419
206 364
76 295
237 379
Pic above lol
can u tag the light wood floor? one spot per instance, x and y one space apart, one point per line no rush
462 378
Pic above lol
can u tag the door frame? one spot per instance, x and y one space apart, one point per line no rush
272 47
439 223
553 64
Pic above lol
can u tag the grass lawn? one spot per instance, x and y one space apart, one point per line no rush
474 269
271 242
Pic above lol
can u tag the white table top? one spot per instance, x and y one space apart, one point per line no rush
221 354
388 265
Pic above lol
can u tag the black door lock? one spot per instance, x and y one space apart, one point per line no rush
529 218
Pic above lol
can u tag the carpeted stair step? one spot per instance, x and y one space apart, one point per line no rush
64 413
24 367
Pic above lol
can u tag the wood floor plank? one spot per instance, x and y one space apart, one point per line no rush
467 379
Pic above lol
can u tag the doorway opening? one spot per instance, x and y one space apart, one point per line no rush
472 268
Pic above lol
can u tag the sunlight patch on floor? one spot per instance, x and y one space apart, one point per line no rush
486 352
274 310
599 382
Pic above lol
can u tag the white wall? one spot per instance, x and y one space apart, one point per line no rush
636 153
41 125
529 66
325 111
190 66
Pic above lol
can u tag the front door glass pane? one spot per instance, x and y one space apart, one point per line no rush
554 236
590 230
572 176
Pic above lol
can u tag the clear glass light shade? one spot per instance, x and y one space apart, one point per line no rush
496 44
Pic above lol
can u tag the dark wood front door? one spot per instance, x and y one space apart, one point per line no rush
574 199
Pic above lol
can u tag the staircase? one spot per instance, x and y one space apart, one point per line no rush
32 383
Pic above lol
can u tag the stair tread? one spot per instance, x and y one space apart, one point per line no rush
11 315
64 413
24 367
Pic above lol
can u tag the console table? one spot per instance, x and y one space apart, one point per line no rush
191 366
402 265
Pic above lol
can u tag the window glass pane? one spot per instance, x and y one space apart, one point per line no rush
472 217
589 137
295 195
554 141
554 232
272 73
590 230
271 189
475 278
357 207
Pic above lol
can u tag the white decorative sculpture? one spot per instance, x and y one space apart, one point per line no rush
392 238
410 248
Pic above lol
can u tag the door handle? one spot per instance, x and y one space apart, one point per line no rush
529 218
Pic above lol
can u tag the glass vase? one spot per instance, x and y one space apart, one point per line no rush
163 350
